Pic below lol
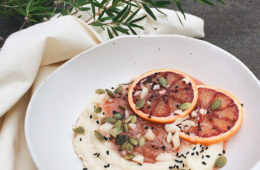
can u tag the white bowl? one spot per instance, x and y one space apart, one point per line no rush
56 105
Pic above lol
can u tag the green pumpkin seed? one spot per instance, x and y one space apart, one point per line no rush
123 107
141 141
129 148
130 156
118 116
123 146
118 90
98 110
125 128
118 124
184 106
79 130
128 119
115 131
140 104
100 91
221 161
133 119
133 141
110 93
120 139
109 120
99 136
163 82
216 104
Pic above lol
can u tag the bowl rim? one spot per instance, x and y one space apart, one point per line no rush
26 121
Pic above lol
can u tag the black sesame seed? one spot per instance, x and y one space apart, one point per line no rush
114 112
148 107
183 165
170 167
214 128
127 88
242 104
189 84
126 95
105 138
192 153
228 127
85 169
124 98
197 153
211 119
177 105
177 154
207 148
97 122
140 164
152 128
177 166
204 163
107 152
112 87
200 129
194 148
106 166
146 127
95 154
202 156
180 161
207 111
187 153
90 116
186 88
176 91
223 151
80 139
219 154
98 154
136 100
103 113
208 156
149 116
188 133
176 87
163 147
200 145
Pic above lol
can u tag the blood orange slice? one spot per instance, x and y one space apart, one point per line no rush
217 116
163 95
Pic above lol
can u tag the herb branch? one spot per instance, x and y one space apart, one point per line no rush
114 16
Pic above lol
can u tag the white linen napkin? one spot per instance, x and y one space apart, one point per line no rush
28 56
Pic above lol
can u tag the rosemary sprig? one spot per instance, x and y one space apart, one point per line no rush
114 16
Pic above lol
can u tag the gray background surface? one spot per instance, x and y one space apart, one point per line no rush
234 27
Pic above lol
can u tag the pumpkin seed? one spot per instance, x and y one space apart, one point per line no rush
120 139
130 156
99 136
163 82
129 148
140 104
98 110
125 127
216 104
123 107
110 93
133 141
184 106
141 141
118 116
115 131
109 120
221 161
100 91
118 124
123 146
128 119
79 130
133 119
118 90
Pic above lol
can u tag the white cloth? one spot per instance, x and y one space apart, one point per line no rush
28 56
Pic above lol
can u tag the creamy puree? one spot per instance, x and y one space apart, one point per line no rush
95 154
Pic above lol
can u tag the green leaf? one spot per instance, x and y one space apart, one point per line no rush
179 18
149 11
114 31
138 19
132 30
105 19
136 26
222 2
123 30
28 6
97 24
207 2
20 11
133 15
162 4
115 2
126 14
131 4
93 9
84 8
110 34
121 13
179 5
